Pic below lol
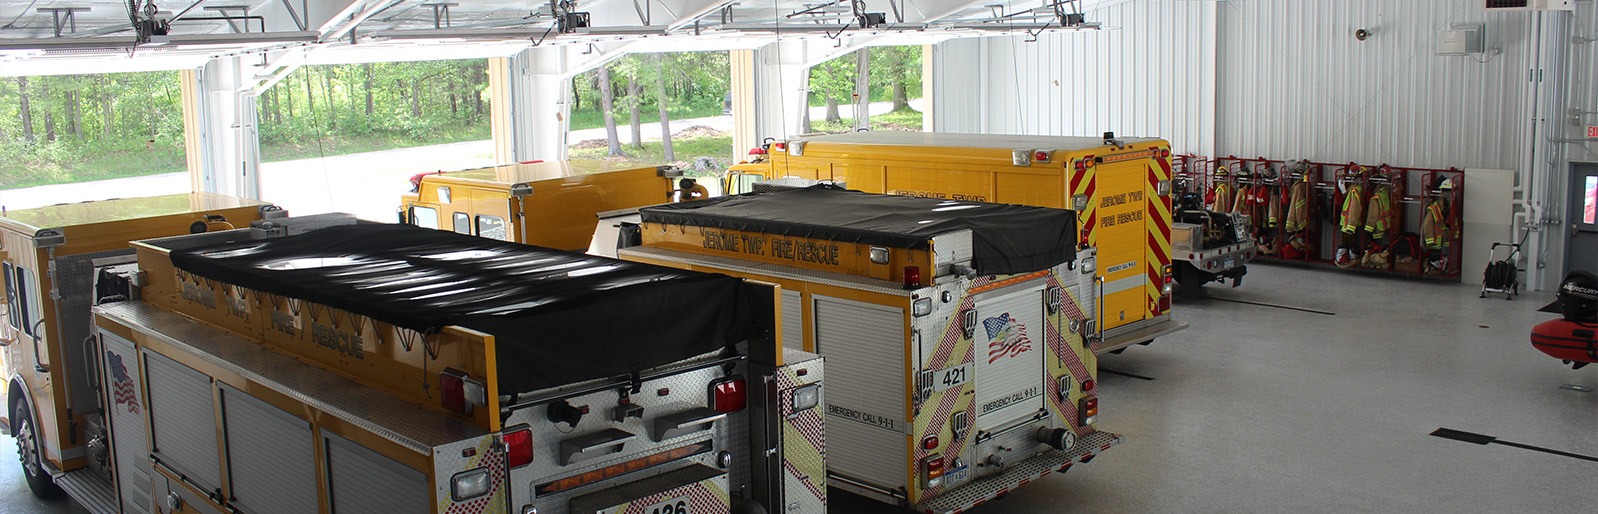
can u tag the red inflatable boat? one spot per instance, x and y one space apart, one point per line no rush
1573 342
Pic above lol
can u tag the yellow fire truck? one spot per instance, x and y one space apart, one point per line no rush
549 204
317 364
1119 187
50 255
956 333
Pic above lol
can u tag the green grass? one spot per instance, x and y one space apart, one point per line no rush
906 119
587 118
334 144
653 153
884 95
62 164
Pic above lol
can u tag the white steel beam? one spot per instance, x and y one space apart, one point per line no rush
223 131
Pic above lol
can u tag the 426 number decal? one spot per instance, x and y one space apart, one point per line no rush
678 505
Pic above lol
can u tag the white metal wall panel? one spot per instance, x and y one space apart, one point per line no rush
271 456
793 320
365 482
1258 78
1146 74
183 420
125 392
1296 84
864 346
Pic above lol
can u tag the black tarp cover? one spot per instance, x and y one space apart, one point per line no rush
557 317
1006 239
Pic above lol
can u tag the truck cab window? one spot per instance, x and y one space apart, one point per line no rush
463 223
425 217
11 296
492 227
27 305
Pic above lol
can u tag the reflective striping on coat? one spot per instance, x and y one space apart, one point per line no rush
1298 207
1434 226
1353 212
1379 211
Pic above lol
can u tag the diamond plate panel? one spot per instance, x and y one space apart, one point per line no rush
987 488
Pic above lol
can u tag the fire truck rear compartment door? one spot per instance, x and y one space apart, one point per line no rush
182 420
1008 342
364 481
123 386
864 346
271 460
1123 241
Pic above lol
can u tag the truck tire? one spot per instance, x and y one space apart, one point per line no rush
28 455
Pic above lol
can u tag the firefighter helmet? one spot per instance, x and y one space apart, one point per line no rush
1444 184
1221 172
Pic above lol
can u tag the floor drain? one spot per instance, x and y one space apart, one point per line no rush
1577 388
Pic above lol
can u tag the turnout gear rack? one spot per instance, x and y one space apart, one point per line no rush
1369 214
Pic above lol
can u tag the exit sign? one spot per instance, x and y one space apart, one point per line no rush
1592 132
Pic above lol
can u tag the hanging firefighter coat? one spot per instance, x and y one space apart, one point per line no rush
1298 207
1353 214
1220 197
1434 225
1242 204
1273 208
1380 211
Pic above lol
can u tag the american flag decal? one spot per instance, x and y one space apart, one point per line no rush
1006 337
121 386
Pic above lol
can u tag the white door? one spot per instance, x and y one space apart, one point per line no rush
1008 342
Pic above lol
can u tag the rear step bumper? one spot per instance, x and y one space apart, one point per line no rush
1117 339
987 488
91 490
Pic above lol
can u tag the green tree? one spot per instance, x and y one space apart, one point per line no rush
833 81
898 69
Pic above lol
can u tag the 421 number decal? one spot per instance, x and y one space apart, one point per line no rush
952 377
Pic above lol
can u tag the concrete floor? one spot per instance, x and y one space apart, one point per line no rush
1264 409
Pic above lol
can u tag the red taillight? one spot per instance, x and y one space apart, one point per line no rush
1165 303
929 443
1088 410
779 146
1040 156
728 394
519 447
452 389
458 392
1165 154
912 277
1084 242
1089 385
